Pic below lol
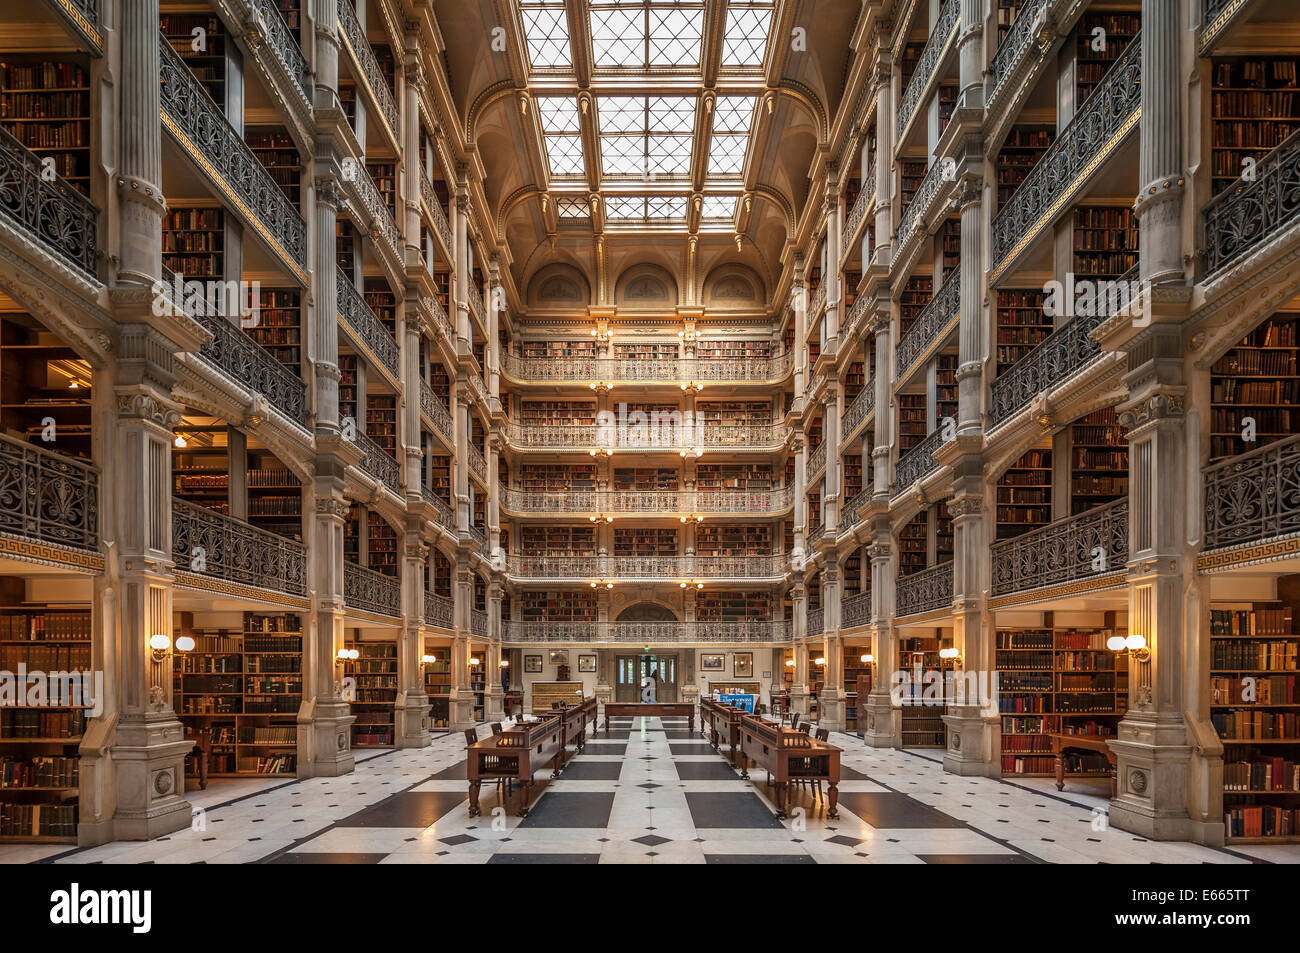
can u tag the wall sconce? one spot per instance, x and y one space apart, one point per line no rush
789 663
868 658
697 517
475 662
600 335
598 584
601 452
686 585
691 452
820 660
1135 644
161 644
950 655
692 387
180 442
504 663
601 519
687 335
428 659
346 655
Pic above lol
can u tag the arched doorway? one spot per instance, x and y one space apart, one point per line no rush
655 672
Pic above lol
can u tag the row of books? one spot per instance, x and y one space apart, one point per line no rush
1230 390
46 658
1268 774
56 772
1243 655
1266 690
54 723
1250 622
45 626
1256 725
1261 821
38 820
1260 363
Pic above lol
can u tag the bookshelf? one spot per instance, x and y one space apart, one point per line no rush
645 352
914 544
1024 146
279 326
201 475
557 413
1255 106
1260 379
45 105
39 759
854 380
645 478
945 387
907 62
244 688
352 535
947 94
274 495
33 387
734 350
912 172
851 474
437 687
381 544
1260 730
733 412
478 684
645 541
1024 494
574 606
558 540
719 539
854 670
943 534
922 721
347 386
558 349
1091 65
374 696
384 175
557 478
913 422
1006 13
1098 461
1022 325
950 242
1058 680
193 242
208 64
915 296
381 421
732 605
275 149
382 302
345 250
749 477
1105 241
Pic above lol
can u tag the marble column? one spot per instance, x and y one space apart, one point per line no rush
831 495
495 700
880 730
799 689
971 334
831 699
461 701
882 468
139 179
412 709
1159 204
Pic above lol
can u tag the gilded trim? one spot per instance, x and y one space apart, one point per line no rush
1110 580
202 583
88 29
50 554
1213 30
1248 554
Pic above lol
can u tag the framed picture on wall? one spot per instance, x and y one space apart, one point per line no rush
713 663
533 663
586 663
742 664
559 656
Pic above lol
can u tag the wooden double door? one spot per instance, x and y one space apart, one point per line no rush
633 671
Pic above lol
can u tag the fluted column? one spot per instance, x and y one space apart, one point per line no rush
461 701
831 699
882 468
139 179
971 333
799 689
831 500
1159 205
879 730
884 157
411 713
495 700
324 321
970 55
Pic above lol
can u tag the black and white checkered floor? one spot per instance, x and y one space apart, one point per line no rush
649 791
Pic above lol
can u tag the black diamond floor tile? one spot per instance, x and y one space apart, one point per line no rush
889 811
570 809
408 809
742 809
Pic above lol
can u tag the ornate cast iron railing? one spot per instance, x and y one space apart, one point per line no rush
189 112
213 544
48 497
233 352
1065 165
856 610
480 537
431 202
1018 41
677 370
928 62
849 515
367 329
363 588
378 210
648 502
647 567
279 39
918 462
478 622
854 316
439 316
439 610
436 412
816 621
442 511
645 633
862 407
1073 548
477 465
931 326
856 215
476 307
925 591
379 464
1253 497
818 302
707 434
51 211
1248 213
369 66
916 210
817 461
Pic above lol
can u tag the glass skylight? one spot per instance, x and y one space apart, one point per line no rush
638 34
546 30
745 40
571 206
715 206
732 118
561 130
647 208
646 135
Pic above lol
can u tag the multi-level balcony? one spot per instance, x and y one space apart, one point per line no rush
1252 505
943 35
371 591
645 568
370 76
478 622
584 371
201 130
665 439
429 198
435 414
919 462
48 498
46 208
929 204
1251 212
379 464
851 514
816 462
373 214
816 621
856 610
857 215
271 41
1095 133
854 318
206 543
1018 48
648 503
365 331
1094 543
859 412
929 590
439 610
644 633
932 328
442 514
83 17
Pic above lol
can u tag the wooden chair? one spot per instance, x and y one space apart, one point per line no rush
823 734
471 736
496 727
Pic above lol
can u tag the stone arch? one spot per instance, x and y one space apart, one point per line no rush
732 286
559 285
647 612
646 286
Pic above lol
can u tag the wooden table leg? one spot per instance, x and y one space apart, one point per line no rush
782 798
744 766
1060 770
833 799
474 809
523 797
606 721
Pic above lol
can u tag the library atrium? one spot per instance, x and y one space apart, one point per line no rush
738 431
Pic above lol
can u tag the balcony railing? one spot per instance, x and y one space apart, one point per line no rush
931 327
478 622
213 544
1250 212
817 533
1058 357
480 537
48 497
442 511
914 214
278 38
436 412
373 76
925 591
663 437
434 206
854 316
645 633
1018 41
855 216
1110 110
49 210
816 621
944 28
231 351
439 610
674 370
83 15
439 316
850 514
856 610
477 465
1253 497
379 463
862 407
194 119
363 588
590 567
919 462
818 303
366 329
648 502
475 301
378 210
817 461
1063 551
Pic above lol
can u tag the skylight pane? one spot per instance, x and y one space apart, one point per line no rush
624 207
571 206
745 39
716 206
618 38
733 113
622 155
565 154
666 206
675 36
621 113
558 114
727 154
546 31
671 114
669 155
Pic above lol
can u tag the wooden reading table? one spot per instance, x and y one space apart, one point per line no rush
1090 743
650 710
573 721
789 756
722 724
515 755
